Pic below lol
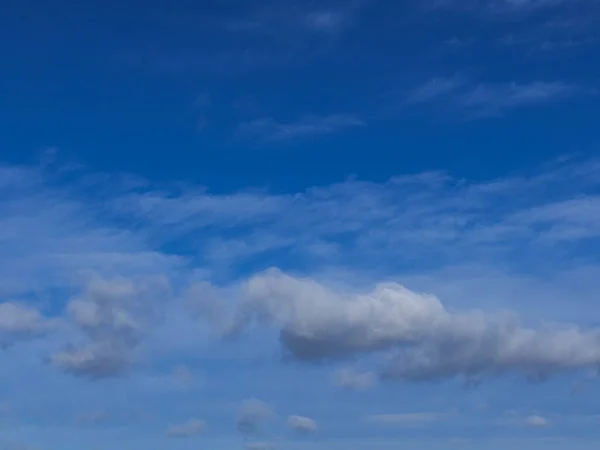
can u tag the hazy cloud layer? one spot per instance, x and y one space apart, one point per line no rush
353 380
190 428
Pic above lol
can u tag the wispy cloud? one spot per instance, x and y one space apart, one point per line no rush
489 99
51 232
269 129
434 89
402 218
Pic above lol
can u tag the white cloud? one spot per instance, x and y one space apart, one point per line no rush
302 424
434 89
428 216
427 341
51 230
489 99
430 221
536 422
190 428
328 21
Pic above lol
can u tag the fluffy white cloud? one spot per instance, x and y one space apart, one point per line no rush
426 340
302 424
536 422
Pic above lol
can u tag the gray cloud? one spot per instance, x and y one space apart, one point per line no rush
19 321
190 428
426 341
113 315
301 424
252 416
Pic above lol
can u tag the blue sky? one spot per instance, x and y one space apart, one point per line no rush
300 225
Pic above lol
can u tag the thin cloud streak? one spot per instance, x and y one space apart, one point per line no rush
268 129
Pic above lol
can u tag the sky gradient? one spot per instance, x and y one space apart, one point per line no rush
300 225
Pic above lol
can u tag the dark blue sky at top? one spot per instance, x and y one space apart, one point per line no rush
160 88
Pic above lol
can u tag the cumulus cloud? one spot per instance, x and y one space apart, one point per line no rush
113 316
94 360
350 379
426 340
253 415
190 428
19 321
302 424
